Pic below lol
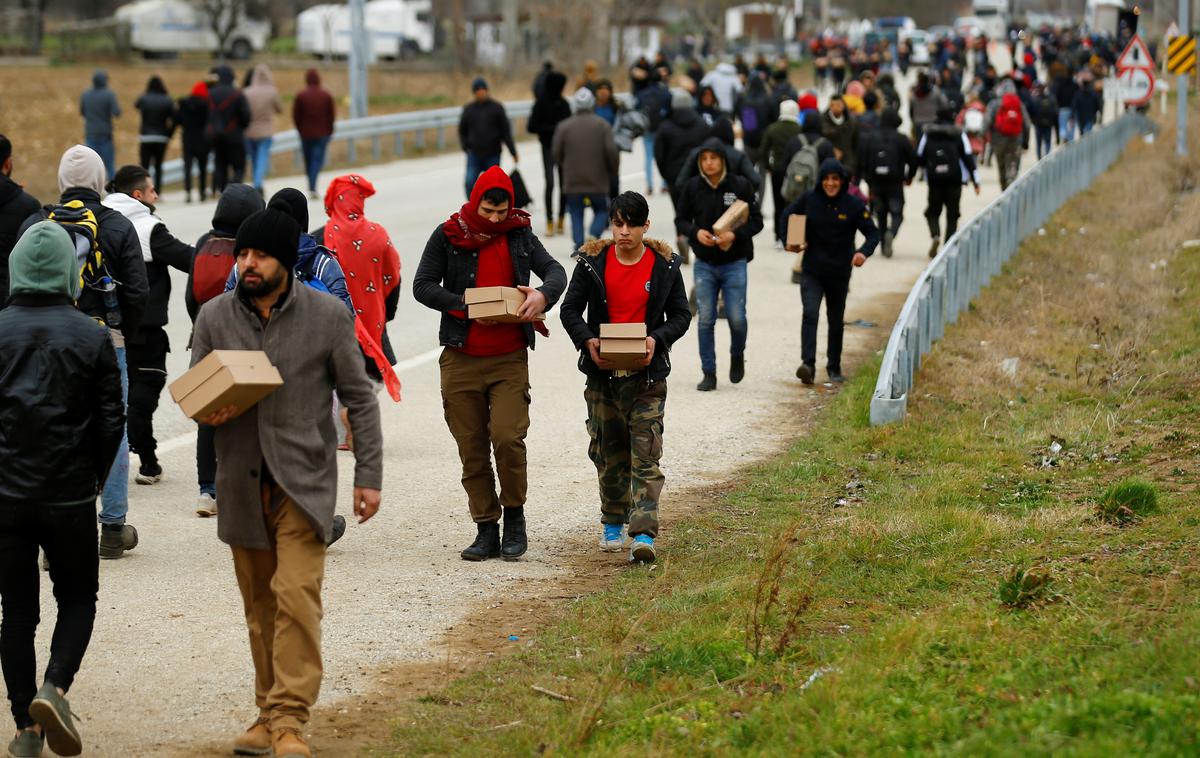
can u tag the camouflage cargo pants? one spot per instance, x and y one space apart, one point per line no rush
625 421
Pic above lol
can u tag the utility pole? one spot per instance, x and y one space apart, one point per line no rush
1181 85
360 54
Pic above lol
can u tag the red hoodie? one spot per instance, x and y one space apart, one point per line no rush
313 111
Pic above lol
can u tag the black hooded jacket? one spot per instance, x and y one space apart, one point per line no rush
667 313
886 156
229 113
16 205
237 202
831 225
734 158
678 135
701 204
550 109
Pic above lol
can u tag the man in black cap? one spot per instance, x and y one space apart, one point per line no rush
277 482
483 130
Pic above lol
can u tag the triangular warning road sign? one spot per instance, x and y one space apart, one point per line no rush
1136 55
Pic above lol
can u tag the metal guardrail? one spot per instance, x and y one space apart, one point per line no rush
391 127
978 250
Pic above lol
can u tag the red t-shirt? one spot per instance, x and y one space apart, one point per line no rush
495 270
628 287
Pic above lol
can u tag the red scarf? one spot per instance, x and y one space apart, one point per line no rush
371 265
470 231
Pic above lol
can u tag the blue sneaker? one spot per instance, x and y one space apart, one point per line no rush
613 539
643 549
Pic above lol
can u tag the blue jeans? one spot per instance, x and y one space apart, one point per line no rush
648 144
476 165
1086 127
114 500
728 279
107 151
1044 135
599 201
314 158
1066 125
260 158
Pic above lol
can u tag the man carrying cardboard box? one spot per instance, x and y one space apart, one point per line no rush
485 366
832 219
277 482
721 255
625 282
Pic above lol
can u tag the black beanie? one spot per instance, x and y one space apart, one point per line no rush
292 202
273 232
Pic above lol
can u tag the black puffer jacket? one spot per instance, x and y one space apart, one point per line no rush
679 134
551 108
701 204
667 314
16 205
123 257
61 413
446 271
832 224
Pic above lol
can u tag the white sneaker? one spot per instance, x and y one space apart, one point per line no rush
612 538
206 505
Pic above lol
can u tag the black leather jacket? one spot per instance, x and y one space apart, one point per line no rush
61 413
446 271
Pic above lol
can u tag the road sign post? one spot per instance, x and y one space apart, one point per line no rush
1181 79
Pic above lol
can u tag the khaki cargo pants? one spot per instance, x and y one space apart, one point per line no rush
625 422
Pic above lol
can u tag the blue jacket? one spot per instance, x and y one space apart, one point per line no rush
317 267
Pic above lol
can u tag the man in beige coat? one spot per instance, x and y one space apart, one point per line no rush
277 479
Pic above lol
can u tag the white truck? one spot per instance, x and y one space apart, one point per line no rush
397 28
1100 16
162 28
993 16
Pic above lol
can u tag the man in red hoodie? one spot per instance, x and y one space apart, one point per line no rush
485 366
313 112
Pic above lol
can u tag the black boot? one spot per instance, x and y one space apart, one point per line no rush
737 368
708 383
486 544
515 541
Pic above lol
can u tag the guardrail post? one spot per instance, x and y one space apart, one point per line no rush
441 138
351 151
419 142
398 144
376 148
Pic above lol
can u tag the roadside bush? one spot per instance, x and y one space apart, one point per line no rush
1127 501
1022 587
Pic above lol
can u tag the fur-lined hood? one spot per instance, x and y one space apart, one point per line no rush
596 247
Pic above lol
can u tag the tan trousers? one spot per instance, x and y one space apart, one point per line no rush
486 401
281 593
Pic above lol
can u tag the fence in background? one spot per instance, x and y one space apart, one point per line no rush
979 249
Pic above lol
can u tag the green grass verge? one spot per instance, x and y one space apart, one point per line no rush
941 586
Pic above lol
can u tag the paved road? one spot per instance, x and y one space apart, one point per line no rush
169 664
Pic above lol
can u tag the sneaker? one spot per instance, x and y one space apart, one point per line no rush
486 544
806 372
254 741
708 383
934 244
289 744
613 538
149 473
27 744
339 529
206 505
643 549
53 714
888 238
737 368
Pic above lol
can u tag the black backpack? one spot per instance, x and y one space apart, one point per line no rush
941 158
885 161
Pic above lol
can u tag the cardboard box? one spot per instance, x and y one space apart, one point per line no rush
495 303
733 217
795 229
623 344
225 377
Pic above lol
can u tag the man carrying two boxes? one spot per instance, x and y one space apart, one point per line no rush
489 244
637 308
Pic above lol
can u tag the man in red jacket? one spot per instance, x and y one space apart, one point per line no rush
313 112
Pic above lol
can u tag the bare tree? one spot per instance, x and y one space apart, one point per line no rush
37 8
223 18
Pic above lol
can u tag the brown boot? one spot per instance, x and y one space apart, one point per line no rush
550 228
289 744
255 741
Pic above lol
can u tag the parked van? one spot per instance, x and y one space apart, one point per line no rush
397 29
164 28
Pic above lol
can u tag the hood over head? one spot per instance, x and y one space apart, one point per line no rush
156 85
350 192
756 87
834 166
100 78
43 263
262 76
890 119
583 100
810 122
553 85
224 75
292 202
237 203
789 110
81 166
681 99
312 77
722 129
713 145
726 68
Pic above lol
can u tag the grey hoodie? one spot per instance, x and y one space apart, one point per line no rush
99 107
